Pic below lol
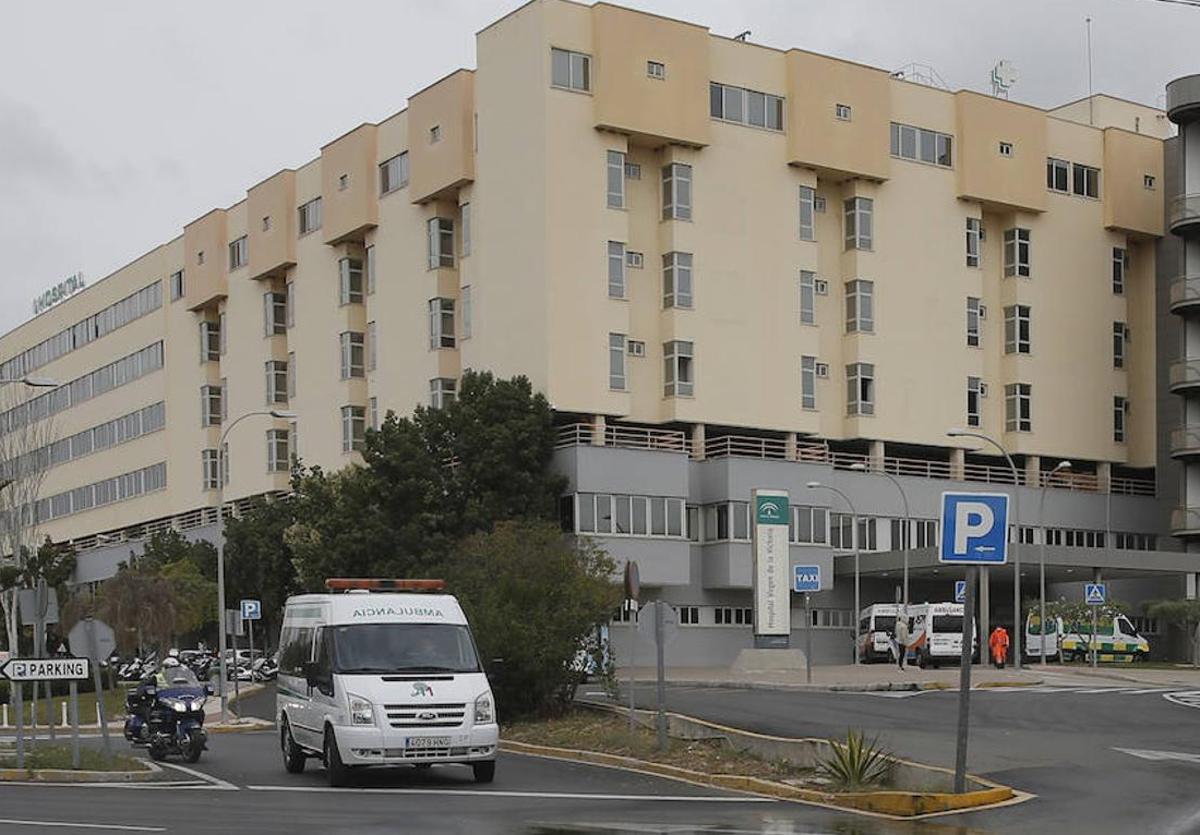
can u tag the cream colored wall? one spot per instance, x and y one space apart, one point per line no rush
206 236
983 122
448 105
1104 111
272 250
348 212
1128 204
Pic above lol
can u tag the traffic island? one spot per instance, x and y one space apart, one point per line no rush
707 754
52 764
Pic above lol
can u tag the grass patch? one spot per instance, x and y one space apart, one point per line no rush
114 706
59 757
608 733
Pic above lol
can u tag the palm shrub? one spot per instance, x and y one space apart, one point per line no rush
856 763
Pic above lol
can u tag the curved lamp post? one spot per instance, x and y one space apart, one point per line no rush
816 485
1058 468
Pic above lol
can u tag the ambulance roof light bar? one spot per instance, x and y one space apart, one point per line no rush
375 584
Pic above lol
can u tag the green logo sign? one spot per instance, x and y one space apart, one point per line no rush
771 510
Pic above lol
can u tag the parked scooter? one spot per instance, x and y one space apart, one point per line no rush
166 714
265 669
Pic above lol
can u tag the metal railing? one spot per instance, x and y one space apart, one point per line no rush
1183 209
625 437
1184 291
1183 373
1185 439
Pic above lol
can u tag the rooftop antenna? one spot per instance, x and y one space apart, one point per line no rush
1004 76
921 74
1091 105
742 37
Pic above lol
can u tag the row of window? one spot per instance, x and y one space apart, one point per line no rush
84 332
109 434
678 364
697 615
101 493
676 274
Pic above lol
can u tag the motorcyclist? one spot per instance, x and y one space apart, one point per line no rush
140 703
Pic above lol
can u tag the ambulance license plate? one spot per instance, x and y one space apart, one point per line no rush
427 742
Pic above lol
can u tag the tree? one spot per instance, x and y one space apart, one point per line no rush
536 599
170 546
1077 615
140 605
258 560
1184 614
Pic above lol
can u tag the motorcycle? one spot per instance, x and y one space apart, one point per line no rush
168 719
265 669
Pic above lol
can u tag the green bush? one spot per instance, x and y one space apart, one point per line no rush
856 763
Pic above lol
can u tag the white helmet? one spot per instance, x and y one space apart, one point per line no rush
173 653
170 661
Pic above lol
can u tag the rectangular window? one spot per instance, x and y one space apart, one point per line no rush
210 468
616 179
1148 181
677 279
177 285
372 347
860 388
442 391
211 407
1016 252
1057 175
859 226
1120 337
441 242
921 145
465 292
370 270
616 270
746 107
808 297
393 173
633 171
1006 149
1120 409
1085 180
441 323
277 382
842 112
1120 266
274 313
973 227
974 406
860 306
237 253
808 201
678 371
973 317
616 361
570 70
373 413
353 428
310 216
210 341
1018 407
1017 329
656 70
291 374
278 450
350 281
808 525
351 343
677 191
808 382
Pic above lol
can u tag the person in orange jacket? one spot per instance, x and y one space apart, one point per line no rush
999 645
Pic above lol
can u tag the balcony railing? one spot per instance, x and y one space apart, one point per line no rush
1183 374
1183 211
1185 520
1184 292
625 437
1185 440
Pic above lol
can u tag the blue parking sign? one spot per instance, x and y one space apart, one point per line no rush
251 610
974 528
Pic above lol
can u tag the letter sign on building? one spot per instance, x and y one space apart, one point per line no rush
772 586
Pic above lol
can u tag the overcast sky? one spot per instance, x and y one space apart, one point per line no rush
123 120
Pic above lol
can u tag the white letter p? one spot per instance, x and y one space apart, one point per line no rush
971 520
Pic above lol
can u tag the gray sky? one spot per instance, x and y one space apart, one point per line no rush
121 121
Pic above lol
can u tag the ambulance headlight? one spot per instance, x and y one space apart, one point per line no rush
361 712
484 713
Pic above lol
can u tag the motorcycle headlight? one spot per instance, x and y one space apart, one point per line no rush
361 712
179 706
198 705
484 714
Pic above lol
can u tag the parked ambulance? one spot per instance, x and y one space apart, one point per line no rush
876 628
1116 640
382 672
935 636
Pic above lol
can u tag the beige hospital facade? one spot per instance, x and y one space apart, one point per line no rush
727 266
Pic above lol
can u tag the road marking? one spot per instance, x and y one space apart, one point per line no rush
1160 755
1184 698
683 798
72 825
217 782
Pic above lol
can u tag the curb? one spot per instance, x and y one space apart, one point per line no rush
870 687
152 773
246 725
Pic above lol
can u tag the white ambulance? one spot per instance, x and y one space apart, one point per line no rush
382 672
1115 640
876 628
936 634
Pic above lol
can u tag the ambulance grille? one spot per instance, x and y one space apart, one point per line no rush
417 716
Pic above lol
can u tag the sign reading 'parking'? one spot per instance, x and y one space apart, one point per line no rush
974 529
45 669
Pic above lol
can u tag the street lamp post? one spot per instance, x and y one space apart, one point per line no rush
1058 468
816 485
907 518
274 413
32 382
1016 642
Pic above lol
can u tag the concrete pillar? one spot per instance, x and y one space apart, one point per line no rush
1033 470
985 609
599 424
698 441
958 464
789 448
875 455
1104 477
1193 580
1096 578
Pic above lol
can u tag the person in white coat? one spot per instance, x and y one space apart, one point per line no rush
901 638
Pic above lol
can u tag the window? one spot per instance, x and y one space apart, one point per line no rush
973 317
842 533
808 198
294 440
746 107
1006 149
1016 329
808 297
370 270
922 145
441 323
277 382
224 399
274 313
373 413
291 374
350 281
689 615
859 211
177 285
1018 410
633 171
353 428
615 171
860 389
465 294
626 515
808 382
290 297
393 173
678 373
210 406
210 341
343 182
442 391
1016 252
372 347
435 134
570 70
441 242
1120 266
1148 181
914 533
973 236
733 616
634 260
310 216
860 306
616 361
465 213
1085 180
278 449
1120 337
266 223
842 111
200 257
210 469
1057 174
677 279
1120 410
616 270
656 69
808 525
974 395
677 191
351 343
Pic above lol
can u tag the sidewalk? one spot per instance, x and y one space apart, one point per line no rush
838 677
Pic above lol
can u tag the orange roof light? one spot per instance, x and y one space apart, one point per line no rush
374 584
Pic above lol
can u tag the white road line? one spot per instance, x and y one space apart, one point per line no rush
208 778
1160 755
1184 698
72 825
501 793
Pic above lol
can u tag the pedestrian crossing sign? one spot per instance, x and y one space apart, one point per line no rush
1095 593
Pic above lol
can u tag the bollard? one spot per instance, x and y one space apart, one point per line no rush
64 714
4 713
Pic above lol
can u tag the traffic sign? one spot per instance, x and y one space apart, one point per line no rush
670 621
45 669
974 528
806 578
960 591
1095 594
251 610
81 642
